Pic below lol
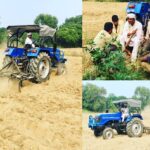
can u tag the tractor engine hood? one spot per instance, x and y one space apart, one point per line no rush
113 116
102 119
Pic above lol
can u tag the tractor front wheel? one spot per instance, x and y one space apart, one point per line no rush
40 67
135 128
108 133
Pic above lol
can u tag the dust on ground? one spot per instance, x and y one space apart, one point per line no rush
44 116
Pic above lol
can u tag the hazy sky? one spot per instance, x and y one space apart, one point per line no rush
19 12
120 88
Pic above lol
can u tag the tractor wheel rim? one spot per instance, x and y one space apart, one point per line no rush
44 68
136 128
109 134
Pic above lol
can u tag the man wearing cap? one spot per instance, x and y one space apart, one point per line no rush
28 41
104 36
132 36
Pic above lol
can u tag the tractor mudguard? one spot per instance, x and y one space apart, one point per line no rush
57 55
134 116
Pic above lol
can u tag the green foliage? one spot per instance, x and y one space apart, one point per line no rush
70 33
110 63
46 19
3 35
143 94
93 98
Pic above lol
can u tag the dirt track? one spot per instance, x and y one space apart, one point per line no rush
119 142
43 116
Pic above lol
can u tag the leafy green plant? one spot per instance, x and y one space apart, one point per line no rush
110 63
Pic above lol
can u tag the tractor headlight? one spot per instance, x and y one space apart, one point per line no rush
97 118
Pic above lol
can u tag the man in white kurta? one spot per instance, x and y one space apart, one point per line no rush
132 35
29 40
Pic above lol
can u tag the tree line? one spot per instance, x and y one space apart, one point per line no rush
69 34
95 98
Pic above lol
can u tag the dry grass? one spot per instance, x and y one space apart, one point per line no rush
95 14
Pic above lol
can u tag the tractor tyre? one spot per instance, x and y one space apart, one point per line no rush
135 128
108 133
40 67
97 133
61 68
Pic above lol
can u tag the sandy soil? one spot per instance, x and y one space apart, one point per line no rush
95 14
43 116
119 142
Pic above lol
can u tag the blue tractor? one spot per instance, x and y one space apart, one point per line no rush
105 124
27 63
141 10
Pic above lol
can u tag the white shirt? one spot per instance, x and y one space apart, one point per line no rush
148 30
128 28
125 111
29 41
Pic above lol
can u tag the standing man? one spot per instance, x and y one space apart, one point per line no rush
104 36
132 35
29 41
117 26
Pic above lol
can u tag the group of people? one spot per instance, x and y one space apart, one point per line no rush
130 35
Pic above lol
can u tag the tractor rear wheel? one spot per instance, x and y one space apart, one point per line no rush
108 133
40 67
135 128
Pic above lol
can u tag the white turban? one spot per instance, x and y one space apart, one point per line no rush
28 34
131 16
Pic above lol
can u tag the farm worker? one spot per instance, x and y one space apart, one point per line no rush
147 38
147 44
104 36
29 40
132 35
117 26
125 112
